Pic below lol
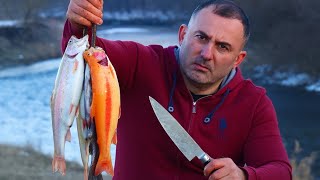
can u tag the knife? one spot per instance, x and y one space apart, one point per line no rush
178 135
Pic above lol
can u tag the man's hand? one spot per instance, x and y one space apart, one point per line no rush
85 12
223 169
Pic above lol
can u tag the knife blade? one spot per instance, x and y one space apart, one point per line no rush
178 134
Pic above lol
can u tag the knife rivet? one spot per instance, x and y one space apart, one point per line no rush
207 120
170 109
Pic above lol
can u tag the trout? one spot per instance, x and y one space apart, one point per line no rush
65 98
105 107
83 120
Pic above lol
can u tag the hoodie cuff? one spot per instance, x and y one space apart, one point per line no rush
249 172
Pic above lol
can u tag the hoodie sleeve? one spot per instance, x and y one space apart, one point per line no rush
264 153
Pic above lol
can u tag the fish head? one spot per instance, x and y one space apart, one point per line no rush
96 55
75 46
101 56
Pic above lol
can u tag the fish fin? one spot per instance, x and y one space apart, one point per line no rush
104 166
92 108
114 138
70 108
59 164
85 165
77 110
68 136
75 65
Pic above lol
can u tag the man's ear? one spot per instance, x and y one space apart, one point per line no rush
182 32
240 58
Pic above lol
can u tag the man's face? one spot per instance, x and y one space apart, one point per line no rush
210 47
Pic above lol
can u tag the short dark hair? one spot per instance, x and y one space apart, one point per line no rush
227 9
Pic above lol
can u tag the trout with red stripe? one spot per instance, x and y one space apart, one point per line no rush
66 96
105 107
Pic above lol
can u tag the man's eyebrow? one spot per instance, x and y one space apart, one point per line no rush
217 41
202 33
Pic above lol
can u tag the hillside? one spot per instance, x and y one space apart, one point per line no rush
284 33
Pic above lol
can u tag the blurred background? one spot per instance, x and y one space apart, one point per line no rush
282 57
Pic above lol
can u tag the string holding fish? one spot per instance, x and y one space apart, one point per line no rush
94 35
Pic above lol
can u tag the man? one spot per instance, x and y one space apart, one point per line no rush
199 81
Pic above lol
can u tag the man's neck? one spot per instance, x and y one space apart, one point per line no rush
210 88
203 89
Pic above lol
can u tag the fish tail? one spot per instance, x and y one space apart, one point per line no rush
85 173
59 164
105 165
114 139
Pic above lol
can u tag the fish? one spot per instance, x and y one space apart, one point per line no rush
65 97
84 128
105 108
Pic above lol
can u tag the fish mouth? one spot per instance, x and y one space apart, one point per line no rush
72 56
103 62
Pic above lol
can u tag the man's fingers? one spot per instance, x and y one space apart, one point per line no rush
97 3
79 20
219 174
89 9
223 168
214 164
84 13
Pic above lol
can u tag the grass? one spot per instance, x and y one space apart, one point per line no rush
302 168
28 164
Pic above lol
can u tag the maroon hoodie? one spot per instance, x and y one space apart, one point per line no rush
239 121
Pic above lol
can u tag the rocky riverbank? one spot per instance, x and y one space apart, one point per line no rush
26 163
23 44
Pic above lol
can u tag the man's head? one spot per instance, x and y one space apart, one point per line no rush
227 9
211 45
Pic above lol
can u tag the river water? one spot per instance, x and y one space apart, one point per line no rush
298 115
25 112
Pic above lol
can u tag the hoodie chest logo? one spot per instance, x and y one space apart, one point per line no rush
222 126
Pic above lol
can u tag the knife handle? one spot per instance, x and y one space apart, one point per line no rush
205 159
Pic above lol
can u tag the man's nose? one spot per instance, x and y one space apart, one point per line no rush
207 51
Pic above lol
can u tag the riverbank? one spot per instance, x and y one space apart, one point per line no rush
24 44
26 163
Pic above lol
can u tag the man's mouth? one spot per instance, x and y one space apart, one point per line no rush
200 67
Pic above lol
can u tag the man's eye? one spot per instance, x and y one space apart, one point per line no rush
201 37
223 47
